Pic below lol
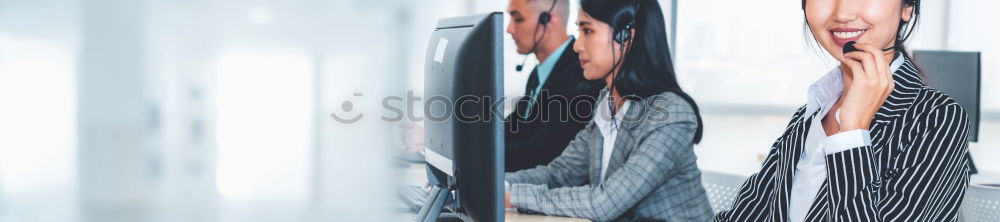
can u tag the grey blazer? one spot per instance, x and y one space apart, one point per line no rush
652 174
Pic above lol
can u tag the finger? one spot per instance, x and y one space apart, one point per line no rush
876 54
881 63
889 83
886 71
857 72
506 200
867 64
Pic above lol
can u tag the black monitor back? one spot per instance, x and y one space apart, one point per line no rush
956 74
464 130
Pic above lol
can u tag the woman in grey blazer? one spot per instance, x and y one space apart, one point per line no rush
635 159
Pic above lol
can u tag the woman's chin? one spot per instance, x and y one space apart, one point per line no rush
590 75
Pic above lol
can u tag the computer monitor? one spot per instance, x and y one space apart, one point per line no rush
956 74
463 88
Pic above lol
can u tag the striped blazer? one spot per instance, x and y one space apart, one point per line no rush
915 169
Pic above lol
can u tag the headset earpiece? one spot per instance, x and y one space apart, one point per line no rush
623 28
624 33
544 18
621 36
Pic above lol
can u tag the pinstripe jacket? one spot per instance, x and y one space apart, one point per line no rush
652 174
915 169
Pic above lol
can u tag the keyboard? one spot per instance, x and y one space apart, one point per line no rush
413 196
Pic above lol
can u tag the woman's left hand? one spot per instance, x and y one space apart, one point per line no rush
506 200
870 86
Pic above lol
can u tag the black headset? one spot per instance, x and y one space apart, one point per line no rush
543 21
899 39
621 35
624 33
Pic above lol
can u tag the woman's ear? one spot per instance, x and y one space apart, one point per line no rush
907 13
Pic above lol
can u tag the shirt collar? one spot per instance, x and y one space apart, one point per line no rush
545 68
824 92
603 118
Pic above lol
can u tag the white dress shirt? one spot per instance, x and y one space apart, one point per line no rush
810 172
609 129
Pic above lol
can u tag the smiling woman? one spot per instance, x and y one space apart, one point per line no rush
873 142
884 24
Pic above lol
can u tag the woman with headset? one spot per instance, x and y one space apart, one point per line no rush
635 159
873 142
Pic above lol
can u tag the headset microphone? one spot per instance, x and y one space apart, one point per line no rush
520 67
849 47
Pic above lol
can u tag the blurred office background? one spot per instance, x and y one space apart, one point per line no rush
218 110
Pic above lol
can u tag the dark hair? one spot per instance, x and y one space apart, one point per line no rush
901 36
646 69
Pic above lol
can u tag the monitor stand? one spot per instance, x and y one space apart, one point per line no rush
434 205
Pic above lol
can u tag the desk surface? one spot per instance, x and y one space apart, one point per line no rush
514 216
416 174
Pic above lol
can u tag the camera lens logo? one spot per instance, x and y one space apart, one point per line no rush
347 107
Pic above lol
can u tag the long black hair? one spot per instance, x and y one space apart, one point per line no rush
646 69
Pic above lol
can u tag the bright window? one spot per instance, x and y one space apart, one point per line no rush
264 111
